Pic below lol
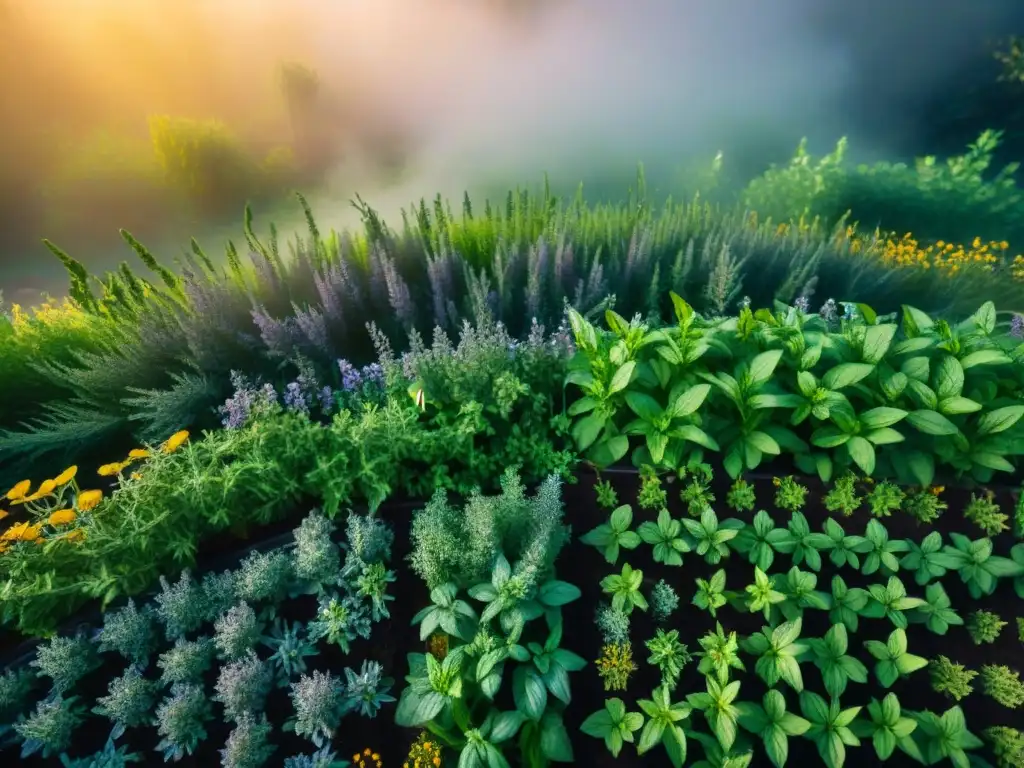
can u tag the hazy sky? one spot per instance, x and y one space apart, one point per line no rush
493 92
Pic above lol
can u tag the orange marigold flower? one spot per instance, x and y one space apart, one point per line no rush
175 441
88 500
66 476
19 491
23 532
62 517
114 468
138 453
45 489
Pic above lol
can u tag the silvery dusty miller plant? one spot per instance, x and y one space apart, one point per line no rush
243 685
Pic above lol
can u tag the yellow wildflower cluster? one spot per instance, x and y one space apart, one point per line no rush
423 753
616 665
48 503
50 313
173 443
366 759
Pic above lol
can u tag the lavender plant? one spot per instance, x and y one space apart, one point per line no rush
317 702
263 577
130 632
181 721
129 701
248 743
65 660
218 594
242 686
367 691
180 606
187 661
315 559
50 728
236 632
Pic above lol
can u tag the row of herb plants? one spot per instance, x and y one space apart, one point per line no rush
804 628
148 672
898 399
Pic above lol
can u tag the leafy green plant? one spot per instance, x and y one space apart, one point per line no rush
952 679
803 544
664 600
985 513
615 534
665 537
791 495
719 653
696 494
985 626
925 506
760 540
129 632
662 726
447 613
652 495
1007 745
720 711
615 666
778 652
607 498
770 722
181 721
1003 684
433 687
247 745
801 593
885 498
510 596
741 497
842 496
890 602
894 660
50 728
978 567
944 737
129 701
624 588
546 671
65 660
613 724
936 611
837 667
887 727
881 552
848 604
830 728
711 594
928 560
710 537
668 655
844 548
613 624
762 595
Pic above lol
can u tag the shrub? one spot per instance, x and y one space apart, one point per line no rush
1007 746
129 632
236 632
317 703
613 625
950 678
50 728
248 743
263 577
181 721
1002 684
885 498
616 666
741 496
985 627
316 558
664 600
984 513
242 686
129 701
842 497
925 506
187 661
65 660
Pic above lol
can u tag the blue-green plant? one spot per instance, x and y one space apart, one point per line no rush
665 536
129 701
837 667
290 646
664 600
340 620
881 552
614 535
978 567
663 726
624 588
129 632
322 758
368 538
760 539
887 727
770 722
186 661
778 653
315 559
263 577
218 594
613 724
242 686
830 728
710 538
65 660
317 703
848 604
448 613
180 606
936 611
181 721
844 547
50 729
111 756
893 659
237 632
613 624
890 602
248 745
372 584
367 691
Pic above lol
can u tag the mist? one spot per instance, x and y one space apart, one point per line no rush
480 95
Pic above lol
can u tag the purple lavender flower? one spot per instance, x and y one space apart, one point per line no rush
350 376
326 399
373 374
1017 326
295 399
238 408
802 304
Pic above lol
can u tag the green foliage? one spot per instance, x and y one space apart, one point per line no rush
613 724
778 652
880 550
607 498
844 548
719 653
890 602
613 624
459 545
791 495
742 496
242 686
924 506
652 495
315 559
666 537
847 604
936 611
187 661
943 736
837 667
129 701
842 496
317 702
894 661
236 632
368 690
669 655
830 728
65 660
762 595
711 594
952 679
624 588
801 594
664 600
710 538
696 494
263 577
978 567
614 534
50 729
340 620
888 728
1002 684
290 648
984 513
181 721
928 560
248 744
129 632
616 667
985 626
801 544
885 498
720 711
1007 745
662 726
772 724
180 606
761 539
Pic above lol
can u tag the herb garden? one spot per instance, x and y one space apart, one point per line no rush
654 505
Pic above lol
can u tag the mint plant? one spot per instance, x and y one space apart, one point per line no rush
936 612
711 595
801 593
762 595
711 537
803 544
894 661
830 728
887 727
844 547
720 711
614 535
624 588
665 536
760 540
881 553
772 724
928 560
848 604
669 656
662 726
890 602
719 653
778 652
837 667
613 724
944 737
451 615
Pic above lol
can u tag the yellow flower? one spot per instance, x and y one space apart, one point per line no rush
114 468
62 517
136 476
19 491
175 441
88 500
436 761
45 489
66 476
3 513
75 536
22 532
138 453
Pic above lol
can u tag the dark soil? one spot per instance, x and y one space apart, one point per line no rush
585 567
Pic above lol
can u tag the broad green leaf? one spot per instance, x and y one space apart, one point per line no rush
933 423
984 357
846 374
999 420
644 406
586 430
609 451
622 376
949 377
529 692
985 317
916 322
862 453
877 418
763 365
690 400
877 339
955 406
